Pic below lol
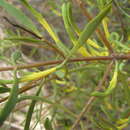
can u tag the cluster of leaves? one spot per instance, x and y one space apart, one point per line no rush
74 81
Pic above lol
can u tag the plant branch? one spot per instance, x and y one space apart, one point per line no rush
35 35
45 63
22 28
91 100
27 87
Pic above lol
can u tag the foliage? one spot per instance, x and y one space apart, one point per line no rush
90 56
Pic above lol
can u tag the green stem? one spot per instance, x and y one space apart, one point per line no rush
31 108
12 100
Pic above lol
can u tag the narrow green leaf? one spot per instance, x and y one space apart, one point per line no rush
66 11
31 109
88 31
90 28
19 16
66 23
10 104
111 87
35 98
4 89
46 26
23 39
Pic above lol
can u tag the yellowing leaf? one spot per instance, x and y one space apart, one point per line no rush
68 22
122 126
61 82
94 52
48 28
108 105
104 53
56 12
122 121
92 43
70 89
105 26
37 75
111 87
83 51
89 29
128 37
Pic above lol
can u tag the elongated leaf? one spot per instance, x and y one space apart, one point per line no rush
105 26
74 26
112 84
19 16
31 109
4 89
10 104
23 39
34 98
88 30
45 25
65 13
33 76
37 75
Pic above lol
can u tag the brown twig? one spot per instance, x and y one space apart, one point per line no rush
35 35
91 100
23 89
49 47
95 58
100 34
22 28
37 46
54 48
27 87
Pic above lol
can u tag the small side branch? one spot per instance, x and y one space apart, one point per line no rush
91 100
